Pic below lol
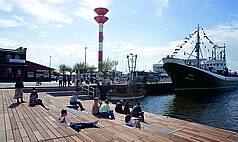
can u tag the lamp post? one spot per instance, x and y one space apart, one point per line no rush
85 64
50 62
85 59
115 63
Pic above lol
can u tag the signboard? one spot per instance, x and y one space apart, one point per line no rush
17 61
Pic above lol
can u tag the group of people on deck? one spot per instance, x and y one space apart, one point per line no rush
99 108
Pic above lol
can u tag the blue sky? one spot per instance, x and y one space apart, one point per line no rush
149 28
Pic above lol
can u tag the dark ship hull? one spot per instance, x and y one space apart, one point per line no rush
192 79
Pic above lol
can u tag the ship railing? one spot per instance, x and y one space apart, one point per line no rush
89 89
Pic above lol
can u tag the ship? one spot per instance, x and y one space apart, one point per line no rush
198 72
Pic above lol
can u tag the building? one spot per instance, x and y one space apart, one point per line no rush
13 65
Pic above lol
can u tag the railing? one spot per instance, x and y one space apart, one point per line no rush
90 90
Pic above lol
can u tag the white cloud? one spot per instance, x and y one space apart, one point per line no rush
161 6
57 1
15 22
8 43
147 55
5 6
44 11
86 8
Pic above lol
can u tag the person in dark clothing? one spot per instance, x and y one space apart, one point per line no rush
19 90
127 107
69 80
137 112
64 80
119 108
33 101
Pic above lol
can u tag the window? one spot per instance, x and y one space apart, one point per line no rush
17 56
8 56
46 74
30 74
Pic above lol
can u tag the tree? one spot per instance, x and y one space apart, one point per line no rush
91 68
69 69
106 66
80 66
62 68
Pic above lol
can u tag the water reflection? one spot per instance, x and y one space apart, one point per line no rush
218 110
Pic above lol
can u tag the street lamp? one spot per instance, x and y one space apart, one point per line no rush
85 57
115 63
85 63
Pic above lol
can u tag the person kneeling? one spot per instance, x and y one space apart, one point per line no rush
132 123
105 111
33 101
77 126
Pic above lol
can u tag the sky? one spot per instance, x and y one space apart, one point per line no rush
150 29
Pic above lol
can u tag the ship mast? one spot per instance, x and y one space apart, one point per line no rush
198 46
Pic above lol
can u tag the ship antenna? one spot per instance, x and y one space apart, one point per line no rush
198 46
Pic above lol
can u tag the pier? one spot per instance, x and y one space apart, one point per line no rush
24 123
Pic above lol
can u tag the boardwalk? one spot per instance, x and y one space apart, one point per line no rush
23 123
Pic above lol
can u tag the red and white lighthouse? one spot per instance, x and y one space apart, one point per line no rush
101 19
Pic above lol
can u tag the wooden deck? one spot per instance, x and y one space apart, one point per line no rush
23 123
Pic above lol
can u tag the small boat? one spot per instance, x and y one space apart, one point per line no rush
126 91
197 72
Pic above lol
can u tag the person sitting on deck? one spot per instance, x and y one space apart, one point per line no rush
74 101
76 125
127 107
137 112
96 106
105 111
33 101
118 107
132 123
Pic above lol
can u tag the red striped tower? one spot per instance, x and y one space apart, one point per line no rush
101 19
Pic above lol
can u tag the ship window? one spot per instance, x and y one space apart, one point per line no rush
217 64
214 64
225 64
210 64
9 56
17 56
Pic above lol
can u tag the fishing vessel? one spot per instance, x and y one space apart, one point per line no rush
131 88
204 69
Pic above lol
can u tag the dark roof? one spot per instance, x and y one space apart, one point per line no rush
27 62
18 50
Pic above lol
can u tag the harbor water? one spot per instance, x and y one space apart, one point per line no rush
218 110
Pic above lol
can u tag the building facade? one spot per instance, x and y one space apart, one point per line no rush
13 65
